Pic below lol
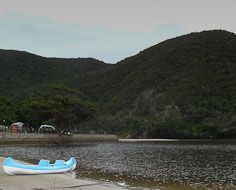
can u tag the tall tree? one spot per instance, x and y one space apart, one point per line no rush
7 112
57 105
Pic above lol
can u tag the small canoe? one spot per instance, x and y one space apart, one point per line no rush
12 167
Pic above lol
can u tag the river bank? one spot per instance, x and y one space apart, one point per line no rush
7 138
51 181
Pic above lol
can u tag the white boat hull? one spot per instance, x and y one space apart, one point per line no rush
20 171
11 167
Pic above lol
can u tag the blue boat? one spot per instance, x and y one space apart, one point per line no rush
12 167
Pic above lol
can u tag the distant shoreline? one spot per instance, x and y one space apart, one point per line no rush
171 140
7 138
146 140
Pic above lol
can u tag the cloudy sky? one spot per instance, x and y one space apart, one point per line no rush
109 30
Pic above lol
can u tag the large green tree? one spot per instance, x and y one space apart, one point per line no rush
57 105
7 112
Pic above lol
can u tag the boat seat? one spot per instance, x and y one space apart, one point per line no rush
44 163
59 162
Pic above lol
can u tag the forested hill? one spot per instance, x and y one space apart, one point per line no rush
22 73
186 68
183 87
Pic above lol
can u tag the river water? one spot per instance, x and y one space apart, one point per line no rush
147 165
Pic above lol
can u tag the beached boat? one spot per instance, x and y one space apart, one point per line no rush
13 167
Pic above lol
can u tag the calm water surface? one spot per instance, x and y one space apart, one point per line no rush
159 165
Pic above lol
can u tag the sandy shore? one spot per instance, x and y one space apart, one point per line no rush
148 140
50 181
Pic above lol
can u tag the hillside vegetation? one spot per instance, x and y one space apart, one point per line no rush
184 87
22 73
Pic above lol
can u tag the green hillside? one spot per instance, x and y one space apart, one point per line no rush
187 82
22 73
181 88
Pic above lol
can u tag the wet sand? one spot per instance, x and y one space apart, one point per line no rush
51 181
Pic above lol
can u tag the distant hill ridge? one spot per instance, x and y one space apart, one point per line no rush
180 62
191 77
22 72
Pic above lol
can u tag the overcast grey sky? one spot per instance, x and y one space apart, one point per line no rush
109 30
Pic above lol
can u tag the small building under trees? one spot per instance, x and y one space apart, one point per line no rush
17 127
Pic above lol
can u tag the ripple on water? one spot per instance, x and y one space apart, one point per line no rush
198 165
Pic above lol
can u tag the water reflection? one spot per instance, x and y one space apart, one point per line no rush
186 164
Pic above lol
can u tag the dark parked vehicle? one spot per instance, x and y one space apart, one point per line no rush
66 132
